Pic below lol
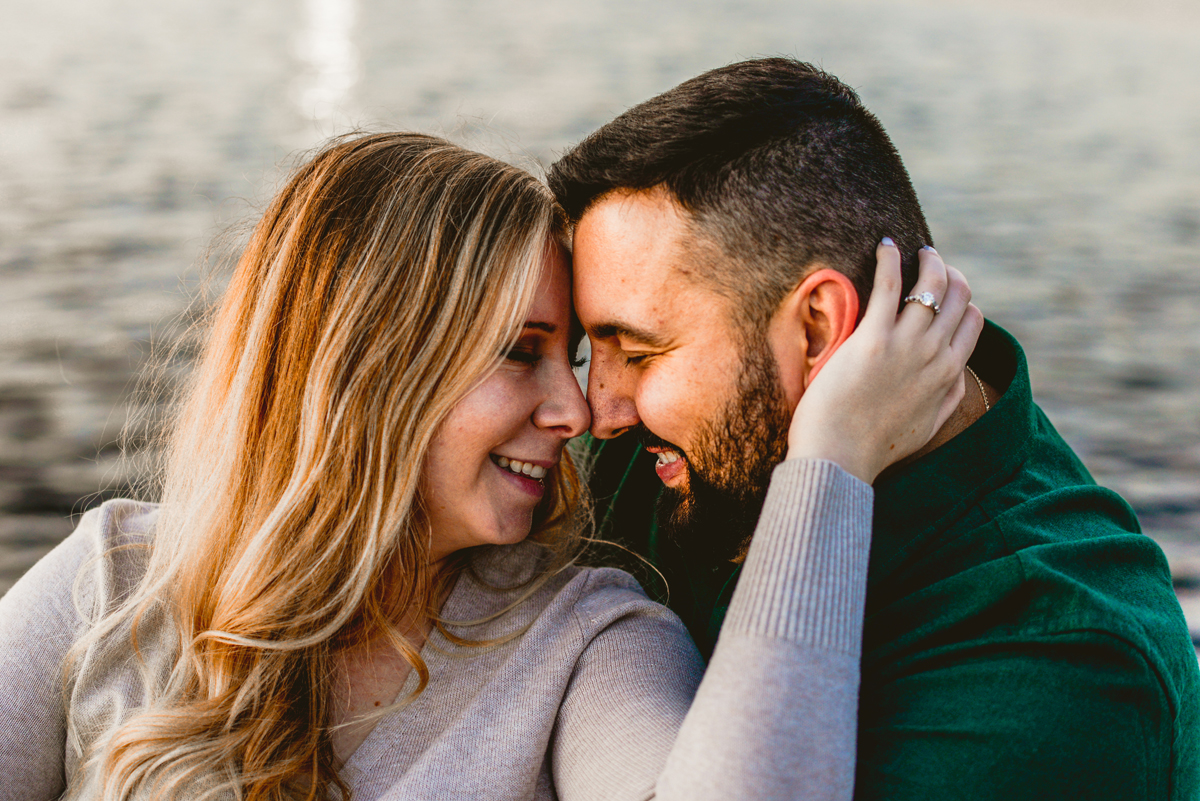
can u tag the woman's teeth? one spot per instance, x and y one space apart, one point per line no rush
522 468
666 457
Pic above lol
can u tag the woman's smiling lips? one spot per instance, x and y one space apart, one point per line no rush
671 465
527 475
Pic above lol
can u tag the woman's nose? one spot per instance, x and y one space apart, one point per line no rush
565 408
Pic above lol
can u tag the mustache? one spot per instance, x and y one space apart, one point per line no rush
648 439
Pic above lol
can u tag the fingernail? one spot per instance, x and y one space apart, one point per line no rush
887 240
929 248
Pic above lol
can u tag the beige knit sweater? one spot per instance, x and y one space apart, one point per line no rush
600 698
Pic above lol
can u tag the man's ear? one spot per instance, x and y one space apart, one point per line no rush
831 296
817 317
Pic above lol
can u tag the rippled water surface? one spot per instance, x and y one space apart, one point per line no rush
1057 155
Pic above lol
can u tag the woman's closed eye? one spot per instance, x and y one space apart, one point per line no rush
531 353
523 354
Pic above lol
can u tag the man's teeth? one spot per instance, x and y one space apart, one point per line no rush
522 468
666 457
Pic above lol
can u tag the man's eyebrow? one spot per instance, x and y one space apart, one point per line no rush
628 332
549 328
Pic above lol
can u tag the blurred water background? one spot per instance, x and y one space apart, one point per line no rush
1055 146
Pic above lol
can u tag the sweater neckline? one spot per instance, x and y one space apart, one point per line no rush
433 653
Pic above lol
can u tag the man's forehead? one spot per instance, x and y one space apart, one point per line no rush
638 236
636 272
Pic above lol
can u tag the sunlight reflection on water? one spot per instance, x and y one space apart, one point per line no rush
326 46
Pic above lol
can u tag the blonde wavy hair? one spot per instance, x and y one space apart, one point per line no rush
382 284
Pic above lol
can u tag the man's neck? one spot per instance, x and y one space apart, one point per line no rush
969 409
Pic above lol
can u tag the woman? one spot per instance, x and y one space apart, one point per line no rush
358 581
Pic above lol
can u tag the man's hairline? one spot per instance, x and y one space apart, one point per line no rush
703 244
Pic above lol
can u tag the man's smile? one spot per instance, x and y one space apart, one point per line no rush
671 466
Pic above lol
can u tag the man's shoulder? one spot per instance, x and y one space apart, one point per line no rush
1046 550
1077 547
1046 575
1045 622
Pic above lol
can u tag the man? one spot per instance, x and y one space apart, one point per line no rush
1022 638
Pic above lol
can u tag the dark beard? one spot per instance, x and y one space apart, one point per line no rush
730 465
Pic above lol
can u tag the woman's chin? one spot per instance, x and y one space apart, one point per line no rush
514 528
515 531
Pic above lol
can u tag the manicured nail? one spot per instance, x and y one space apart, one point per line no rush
887 240
929 248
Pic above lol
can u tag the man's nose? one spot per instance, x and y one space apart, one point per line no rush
610 394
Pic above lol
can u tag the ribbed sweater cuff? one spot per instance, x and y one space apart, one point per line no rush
805 578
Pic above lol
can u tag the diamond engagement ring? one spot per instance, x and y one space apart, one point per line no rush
925 299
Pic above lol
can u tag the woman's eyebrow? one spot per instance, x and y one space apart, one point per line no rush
549 328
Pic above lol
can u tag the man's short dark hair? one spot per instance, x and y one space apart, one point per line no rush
776 162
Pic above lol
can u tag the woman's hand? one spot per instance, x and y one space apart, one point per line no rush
896 380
